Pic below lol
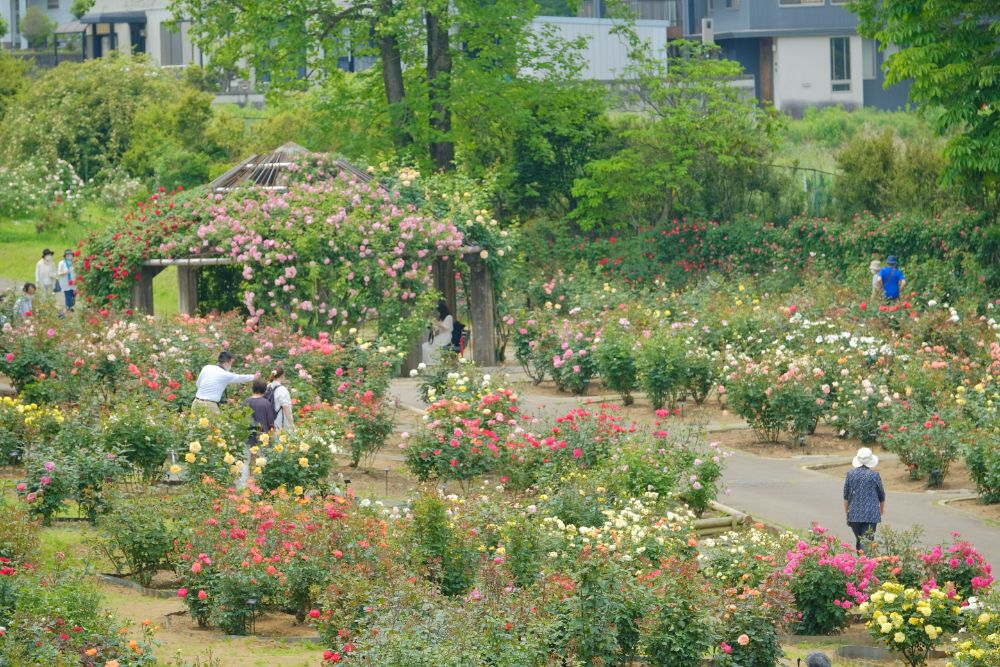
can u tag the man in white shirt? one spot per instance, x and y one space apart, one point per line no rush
213 380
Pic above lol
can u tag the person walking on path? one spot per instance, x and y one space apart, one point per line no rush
891 279
875 267
65 283
213 380
45 274
23 306
864 496
282 400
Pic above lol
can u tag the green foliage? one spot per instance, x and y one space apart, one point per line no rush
13 76
982 455
136 536
80 7
661 366
682 629
815 587
616 363
880 175
674 160
143 433
441 552
171 143
37 27
83 113
952 65
18 533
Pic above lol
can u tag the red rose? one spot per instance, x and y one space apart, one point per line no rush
314 613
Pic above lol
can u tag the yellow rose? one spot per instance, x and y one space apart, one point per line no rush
304 462
899 638
175 469
298 490
190 457
194 447
228 459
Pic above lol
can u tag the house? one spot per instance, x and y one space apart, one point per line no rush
13 10
800 53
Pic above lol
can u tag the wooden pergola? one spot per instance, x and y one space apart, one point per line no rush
265 171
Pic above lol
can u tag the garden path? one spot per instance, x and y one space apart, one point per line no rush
785 492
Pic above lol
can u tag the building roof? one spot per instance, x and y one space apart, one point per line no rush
71 28
265 169
115 17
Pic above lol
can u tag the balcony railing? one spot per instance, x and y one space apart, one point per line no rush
655 10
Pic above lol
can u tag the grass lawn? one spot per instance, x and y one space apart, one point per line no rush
21 247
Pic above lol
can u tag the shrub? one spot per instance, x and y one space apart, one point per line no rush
981 645
925 442
143 433
750 625
18 533
909 622
83 113
440 552
662 371
680 627
982 455
773 401
137 536
50 481
616 363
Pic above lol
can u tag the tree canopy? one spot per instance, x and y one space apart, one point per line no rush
948 49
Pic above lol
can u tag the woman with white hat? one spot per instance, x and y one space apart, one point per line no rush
875 267
864 496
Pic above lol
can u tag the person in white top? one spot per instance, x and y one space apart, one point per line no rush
442 327
64 272
875 267
213 380
45 274
282 400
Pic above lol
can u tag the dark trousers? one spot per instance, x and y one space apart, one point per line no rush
862 530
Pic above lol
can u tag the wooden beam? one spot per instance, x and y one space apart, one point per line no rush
444 282
481 312
190 261
187 290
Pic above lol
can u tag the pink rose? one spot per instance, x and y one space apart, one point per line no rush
182 592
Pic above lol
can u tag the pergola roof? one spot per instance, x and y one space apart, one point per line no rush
263 170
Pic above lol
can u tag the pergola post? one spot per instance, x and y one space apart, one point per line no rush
187 289
444 282
142 290
481 312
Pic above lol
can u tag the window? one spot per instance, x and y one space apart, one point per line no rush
840 63
710 6
798 3
170 46
732 4
53 4
869 67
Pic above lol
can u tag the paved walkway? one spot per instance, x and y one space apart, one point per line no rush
783 492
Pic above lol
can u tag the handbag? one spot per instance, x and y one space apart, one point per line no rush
57 288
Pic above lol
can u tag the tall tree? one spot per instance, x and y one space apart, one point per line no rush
949 50
431 54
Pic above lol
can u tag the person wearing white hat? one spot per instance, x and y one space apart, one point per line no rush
875 267
864 496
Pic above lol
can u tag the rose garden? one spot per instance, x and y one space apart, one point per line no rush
634 453
508 538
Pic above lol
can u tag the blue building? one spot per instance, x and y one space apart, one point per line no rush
800 53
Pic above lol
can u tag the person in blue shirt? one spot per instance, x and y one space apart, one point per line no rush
891 279
864 496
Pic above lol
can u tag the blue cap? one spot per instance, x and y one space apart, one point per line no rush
891 260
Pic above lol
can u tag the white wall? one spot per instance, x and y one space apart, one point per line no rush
157 13
605 54
802 74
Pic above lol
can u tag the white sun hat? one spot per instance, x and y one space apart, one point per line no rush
865 458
